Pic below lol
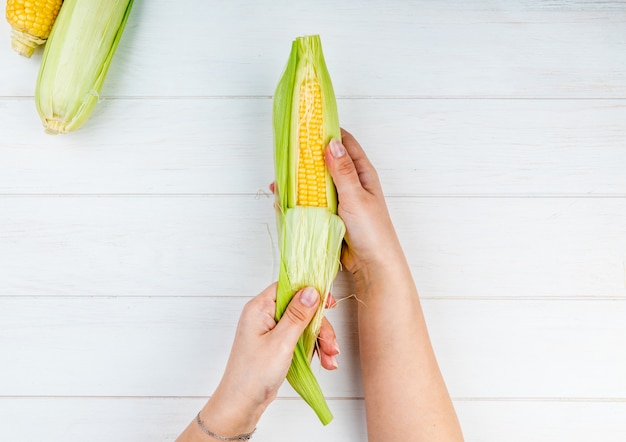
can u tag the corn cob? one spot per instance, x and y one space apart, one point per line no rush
310 232
76 59
31 22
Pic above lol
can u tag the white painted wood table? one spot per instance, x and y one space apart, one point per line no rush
128 248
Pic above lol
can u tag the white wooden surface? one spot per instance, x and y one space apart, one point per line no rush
499 130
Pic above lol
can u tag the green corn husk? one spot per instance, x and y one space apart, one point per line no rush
310 238
76 59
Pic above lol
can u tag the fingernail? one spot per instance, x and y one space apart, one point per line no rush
336 346
336 148
309 296
333 362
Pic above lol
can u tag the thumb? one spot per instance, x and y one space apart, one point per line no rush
299 313
341 169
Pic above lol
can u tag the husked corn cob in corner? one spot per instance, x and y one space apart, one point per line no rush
310 232
31 22
76 59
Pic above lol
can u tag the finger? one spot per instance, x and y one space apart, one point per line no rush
353 147
328 362
327 339
364 168
331 302
267 296
259 311
269 292
299 313
327 346
342 170
273 187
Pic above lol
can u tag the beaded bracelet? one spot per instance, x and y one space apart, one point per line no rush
245 436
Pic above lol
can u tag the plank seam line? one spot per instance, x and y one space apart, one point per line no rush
339 97
261 196
331 398
50 297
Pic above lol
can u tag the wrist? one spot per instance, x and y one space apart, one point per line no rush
381 266
215 436
229 414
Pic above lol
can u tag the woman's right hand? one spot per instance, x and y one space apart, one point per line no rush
370 240
390 317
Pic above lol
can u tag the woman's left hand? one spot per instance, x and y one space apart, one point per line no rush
259 361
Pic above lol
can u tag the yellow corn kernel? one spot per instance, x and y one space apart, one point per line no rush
311 181
31 22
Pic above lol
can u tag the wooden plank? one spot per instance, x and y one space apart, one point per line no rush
541 421
162 419
461 49
181 246
154 347
158 419
420 147
201 246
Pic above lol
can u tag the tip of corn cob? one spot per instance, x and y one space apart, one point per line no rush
24 43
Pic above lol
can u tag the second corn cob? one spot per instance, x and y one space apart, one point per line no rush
31 22
76 60
310 232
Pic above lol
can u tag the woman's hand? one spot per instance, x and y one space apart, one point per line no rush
258 362
371 240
